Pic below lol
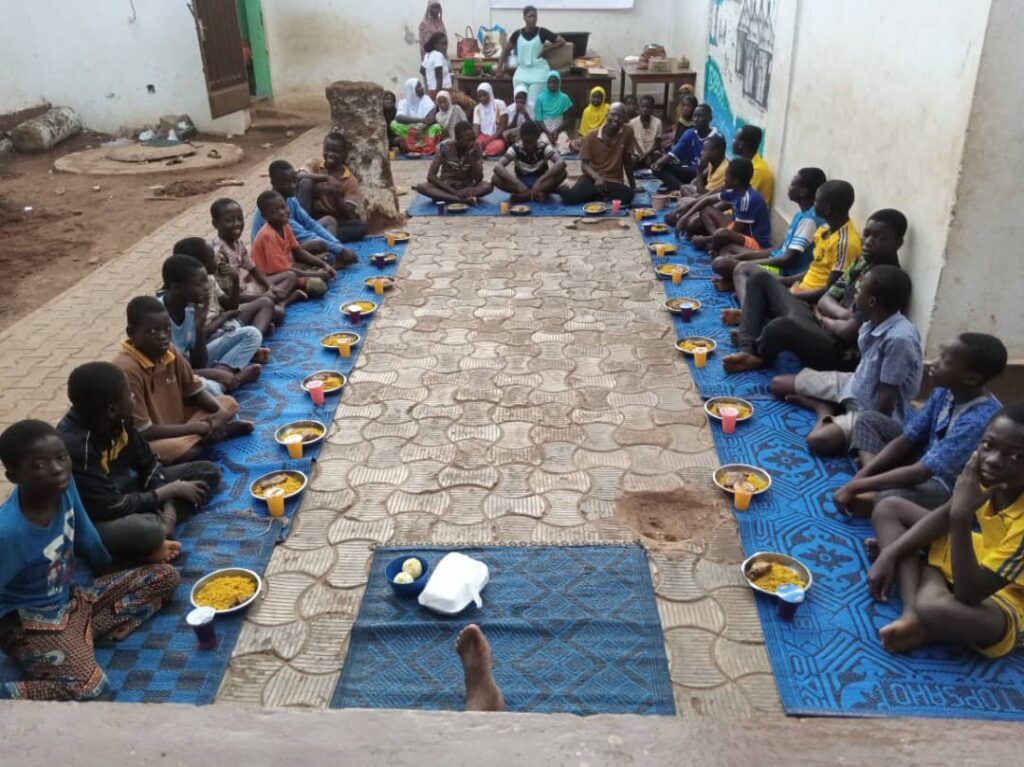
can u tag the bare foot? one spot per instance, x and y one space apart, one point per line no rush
516 199
700 241
297 295
278 314
170 517
731 316
740 362
723 285
734 338
249 373
540 196
903 634
871 547
165 552
262 355
482 693
238 428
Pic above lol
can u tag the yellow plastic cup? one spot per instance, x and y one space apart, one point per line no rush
392 155
275 502
638 214
390 237
659 249
504 208
677 276
741 499
700 356
345 348
378 286
294 445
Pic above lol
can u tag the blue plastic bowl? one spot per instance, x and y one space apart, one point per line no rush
406 589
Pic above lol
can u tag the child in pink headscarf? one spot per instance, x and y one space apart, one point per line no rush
431 24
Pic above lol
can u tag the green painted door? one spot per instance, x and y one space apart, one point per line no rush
250 19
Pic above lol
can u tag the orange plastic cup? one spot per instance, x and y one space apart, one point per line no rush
700 357
392 155
659 249
294 445
345 348
638 214
741 500
504 208
390 237
275 502
378 286
677 276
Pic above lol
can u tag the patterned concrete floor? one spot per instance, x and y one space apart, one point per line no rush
519 385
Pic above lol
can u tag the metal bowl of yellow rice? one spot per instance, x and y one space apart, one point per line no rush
775 558
227 587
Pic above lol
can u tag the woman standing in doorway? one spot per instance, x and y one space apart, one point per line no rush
530 44
432 24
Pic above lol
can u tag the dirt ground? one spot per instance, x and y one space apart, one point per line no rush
667 520
56 227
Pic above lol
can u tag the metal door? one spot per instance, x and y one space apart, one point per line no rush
220 42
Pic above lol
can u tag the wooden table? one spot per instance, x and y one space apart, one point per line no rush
674 77
576 87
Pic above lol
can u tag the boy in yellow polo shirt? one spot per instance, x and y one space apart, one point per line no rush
971 590
745 143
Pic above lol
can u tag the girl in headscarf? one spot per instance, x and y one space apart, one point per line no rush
437 72
489 121
432 24
414 122
530 44
448 115
517 114
594 116
551 111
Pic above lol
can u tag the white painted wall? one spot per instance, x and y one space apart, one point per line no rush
97 57
880 95
315 42
979 289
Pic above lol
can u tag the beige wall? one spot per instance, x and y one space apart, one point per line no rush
314 42
979 288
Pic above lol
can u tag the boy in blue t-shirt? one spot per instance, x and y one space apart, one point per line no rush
921 459
47 625
750 223
797 249
679 166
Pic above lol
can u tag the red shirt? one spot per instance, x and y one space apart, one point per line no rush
272 250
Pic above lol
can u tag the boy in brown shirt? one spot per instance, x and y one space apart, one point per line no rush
172 409
606 157
328 187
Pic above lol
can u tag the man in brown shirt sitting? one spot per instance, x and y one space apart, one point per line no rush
328 188
606 158
171 408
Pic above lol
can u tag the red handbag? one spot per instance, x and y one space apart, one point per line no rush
467 47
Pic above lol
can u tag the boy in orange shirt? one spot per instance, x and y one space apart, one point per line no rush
276 250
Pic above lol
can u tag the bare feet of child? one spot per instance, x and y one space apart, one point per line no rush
482 693
734 338
741 362
731 316
723 285
165 552
249 373
238 428
262 355
903 635
297 295
279 312
700 241
821 409
871 547
346 257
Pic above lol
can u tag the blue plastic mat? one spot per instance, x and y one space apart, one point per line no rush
829 662
572 628
160 662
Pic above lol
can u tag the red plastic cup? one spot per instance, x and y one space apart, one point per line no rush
686 312
729 416
616 206
316 391
201 621
355 314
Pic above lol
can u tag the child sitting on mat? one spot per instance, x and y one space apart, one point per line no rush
921 460
172 408
132 500
456 173
886 379
329 189
275 249
750 224
970 590
47 624
225 359
537 170
234 264
316 237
